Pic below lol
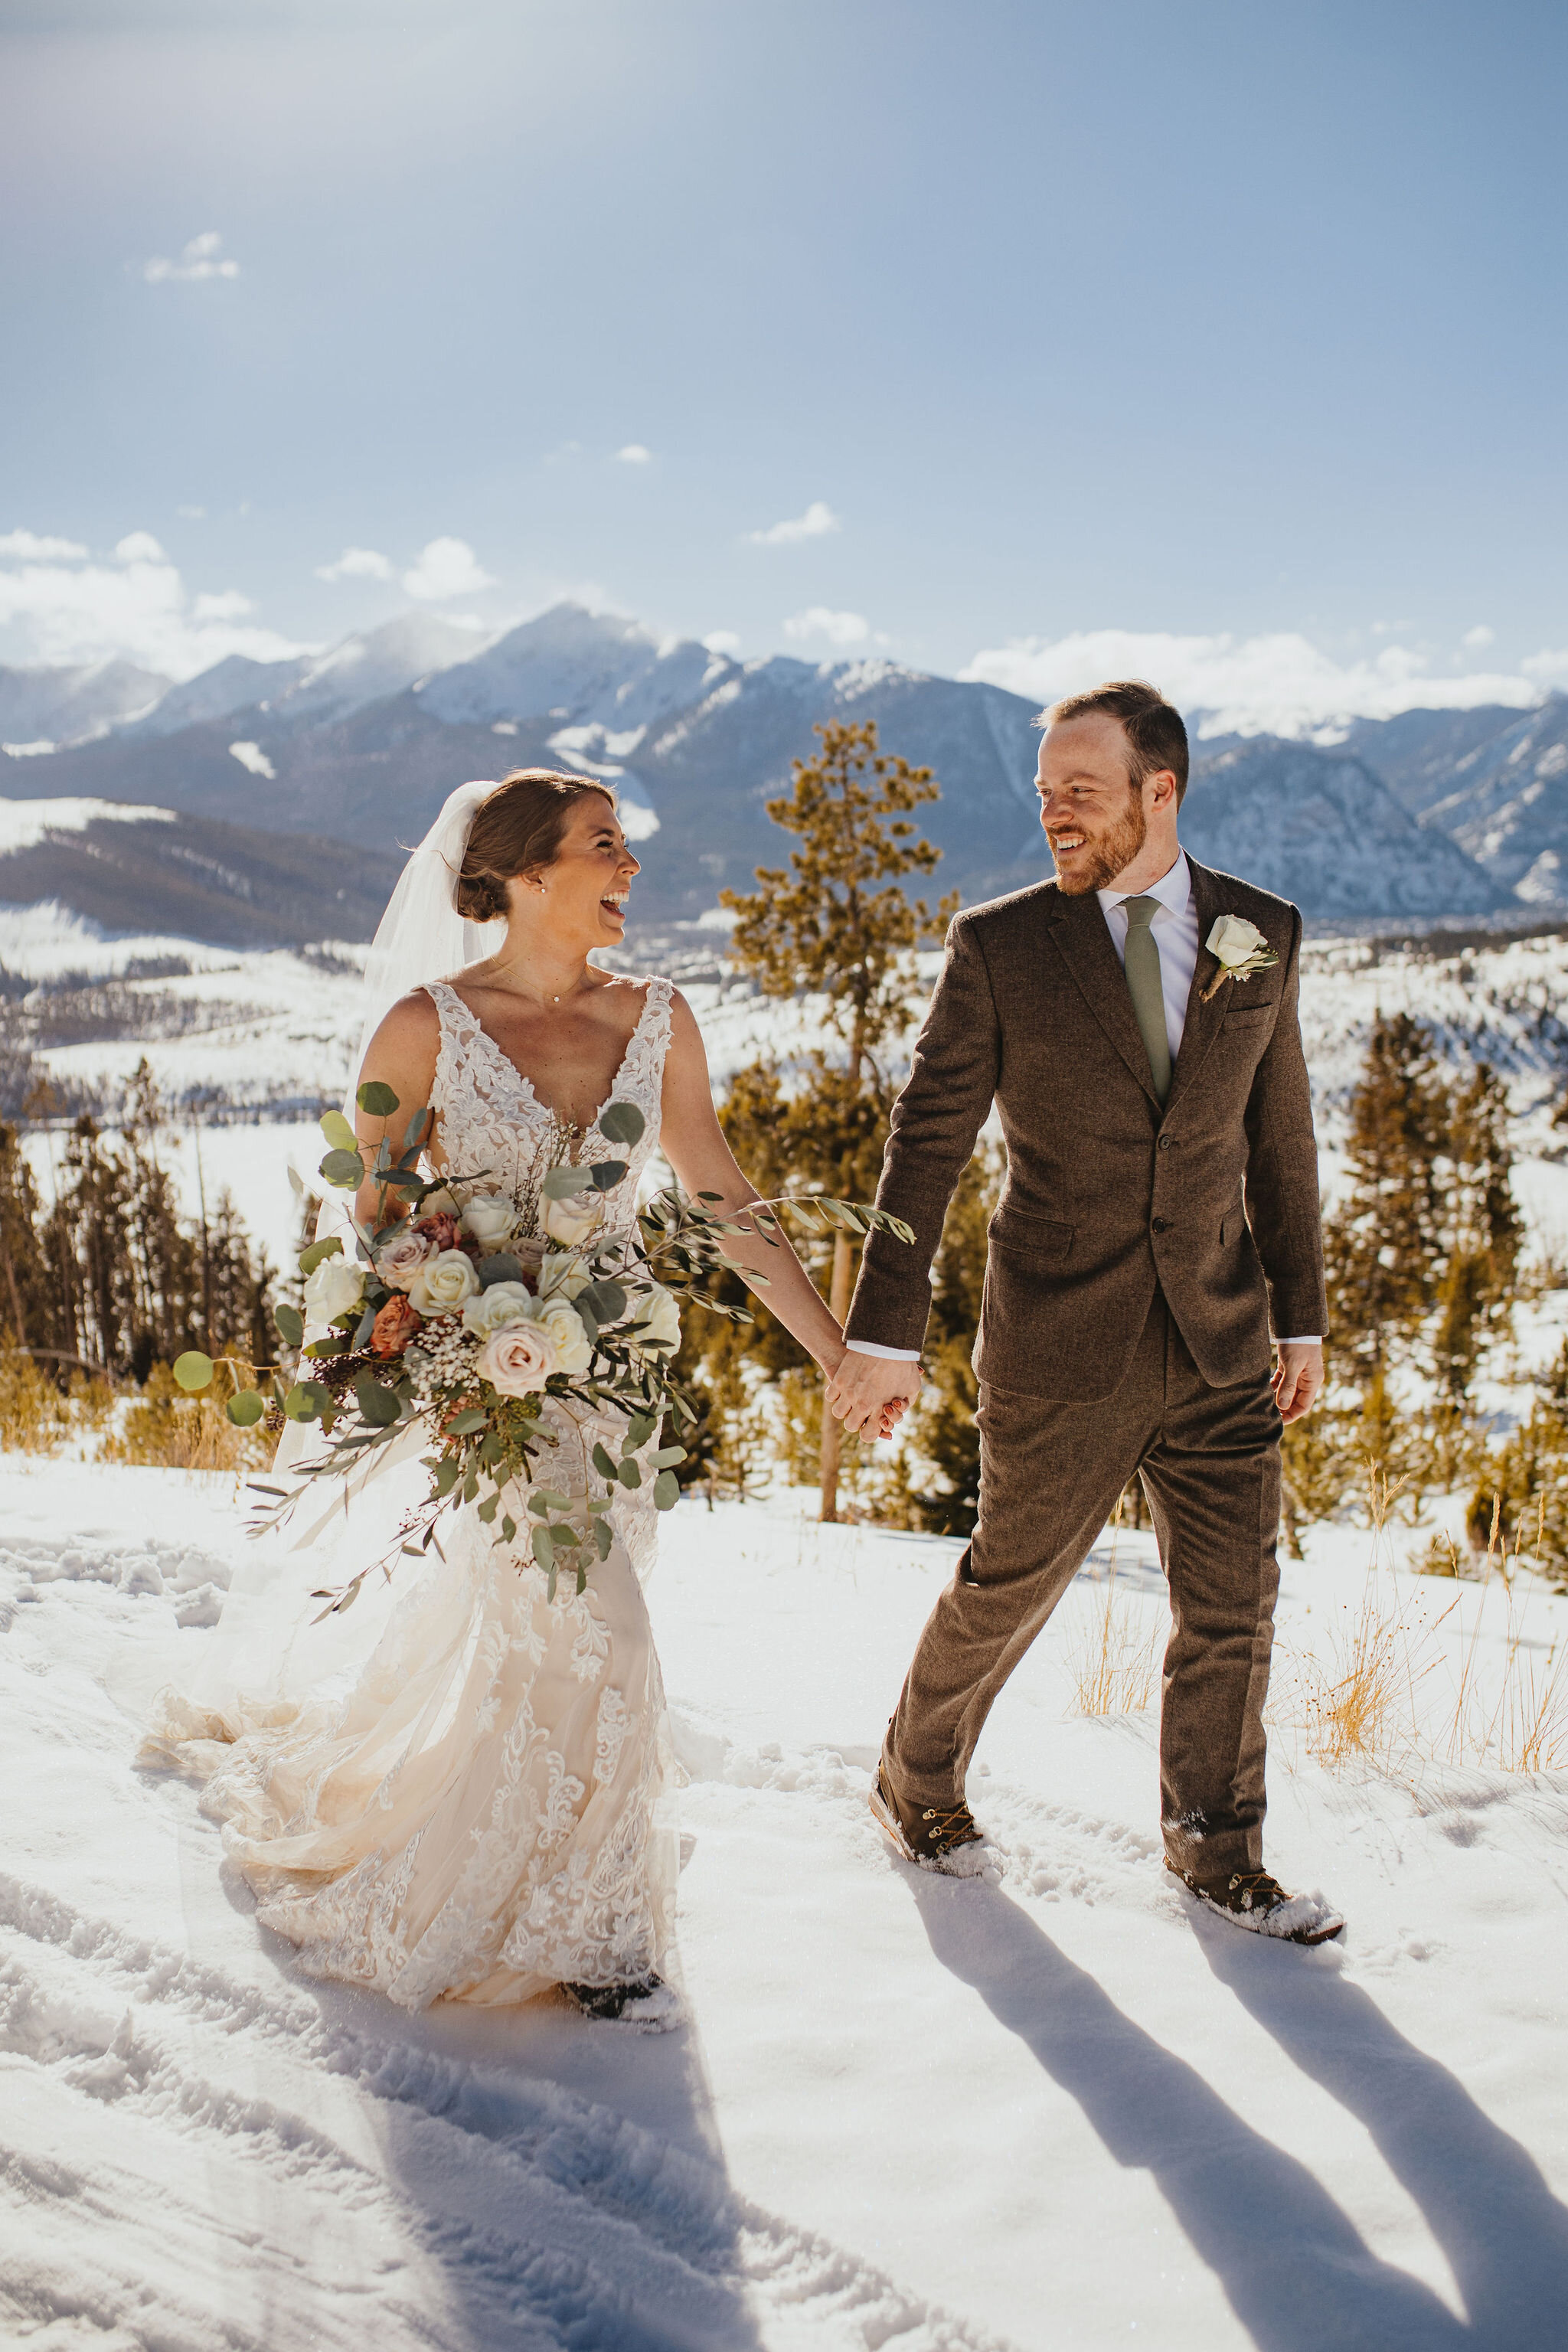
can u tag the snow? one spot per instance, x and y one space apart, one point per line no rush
23 823
1066 2110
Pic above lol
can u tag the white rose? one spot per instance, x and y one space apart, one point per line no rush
570 1222
336 1284
516 1360
489 1217
492 1309
402 1257
657 1320
562 1275
444 1284
573 1351
1234 938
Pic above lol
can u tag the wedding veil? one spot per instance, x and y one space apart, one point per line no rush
268 1645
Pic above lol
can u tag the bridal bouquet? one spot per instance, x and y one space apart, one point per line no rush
464 1309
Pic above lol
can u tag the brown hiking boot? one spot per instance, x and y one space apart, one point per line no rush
1252 1898
945 1838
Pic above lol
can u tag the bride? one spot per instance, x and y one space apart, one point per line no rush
466 1807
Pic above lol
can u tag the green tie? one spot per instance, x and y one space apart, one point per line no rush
1142 967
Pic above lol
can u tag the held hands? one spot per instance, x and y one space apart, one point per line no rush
871 1393
1297 1377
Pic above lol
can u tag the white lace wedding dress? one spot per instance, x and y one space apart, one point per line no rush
474 1813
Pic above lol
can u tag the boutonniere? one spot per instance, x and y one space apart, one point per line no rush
1242 949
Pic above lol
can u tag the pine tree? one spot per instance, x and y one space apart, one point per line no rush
837 924
1382 1242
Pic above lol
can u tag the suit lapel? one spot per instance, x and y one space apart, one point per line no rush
1204 1022
1079 928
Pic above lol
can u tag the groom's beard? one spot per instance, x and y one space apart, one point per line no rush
1105 854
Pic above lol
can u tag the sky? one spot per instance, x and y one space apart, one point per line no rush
1021 340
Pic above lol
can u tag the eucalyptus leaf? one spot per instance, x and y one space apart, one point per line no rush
502 1267
666 1456
309 1259
467 1421
640 1429
606 1301
489 1508
415 1127
338 1131
447 1472
344 1170
290 1324
605 1174
602 1462
622 1122
666 1491
378 1405
375 1099
366 1325
194 1371
603 1537
628 1473
245 1408
543 1545
564 1183
509 1530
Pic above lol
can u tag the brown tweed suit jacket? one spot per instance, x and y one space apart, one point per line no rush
1214 1199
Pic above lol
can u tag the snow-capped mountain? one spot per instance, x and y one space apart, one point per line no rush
1319 827
40 708
121 868
1433 813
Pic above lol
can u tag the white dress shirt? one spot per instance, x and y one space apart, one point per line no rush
1173 927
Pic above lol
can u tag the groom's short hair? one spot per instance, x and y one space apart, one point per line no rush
1155 734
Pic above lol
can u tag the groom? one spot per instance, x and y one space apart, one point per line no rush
1159 1218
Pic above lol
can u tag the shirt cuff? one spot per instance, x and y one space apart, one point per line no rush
888 1355
1302 1340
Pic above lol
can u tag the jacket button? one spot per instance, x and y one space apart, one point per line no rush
1162 1225
1164 1143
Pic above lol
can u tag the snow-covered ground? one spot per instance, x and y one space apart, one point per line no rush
1058 2112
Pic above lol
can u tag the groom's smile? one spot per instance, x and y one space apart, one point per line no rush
1096 818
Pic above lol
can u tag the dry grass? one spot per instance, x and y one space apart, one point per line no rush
36 1416
1115 1661
1373 1702
167 1430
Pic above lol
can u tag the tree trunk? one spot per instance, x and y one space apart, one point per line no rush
833 1428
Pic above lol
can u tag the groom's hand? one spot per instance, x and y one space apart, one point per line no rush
1297 1377
870 1392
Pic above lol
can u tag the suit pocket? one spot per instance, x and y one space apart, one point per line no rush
1035 1240
1249 1016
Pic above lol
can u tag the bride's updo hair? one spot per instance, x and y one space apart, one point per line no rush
517 830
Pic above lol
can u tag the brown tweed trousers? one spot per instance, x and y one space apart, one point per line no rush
1137 1259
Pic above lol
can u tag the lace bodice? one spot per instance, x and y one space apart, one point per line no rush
490 1118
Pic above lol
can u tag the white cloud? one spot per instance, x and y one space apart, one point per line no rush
358 564
722 641
197 259
25 546
1547 668
634 454
1475 640
1281 684
838 628
137 609
446 567
816 523
192 514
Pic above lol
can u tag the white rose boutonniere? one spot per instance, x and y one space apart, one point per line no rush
1242 949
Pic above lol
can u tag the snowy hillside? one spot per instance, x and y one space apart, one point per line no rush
1150 2125
364 740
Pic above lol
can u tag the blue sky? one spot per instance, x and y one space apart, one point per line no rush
1229 336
